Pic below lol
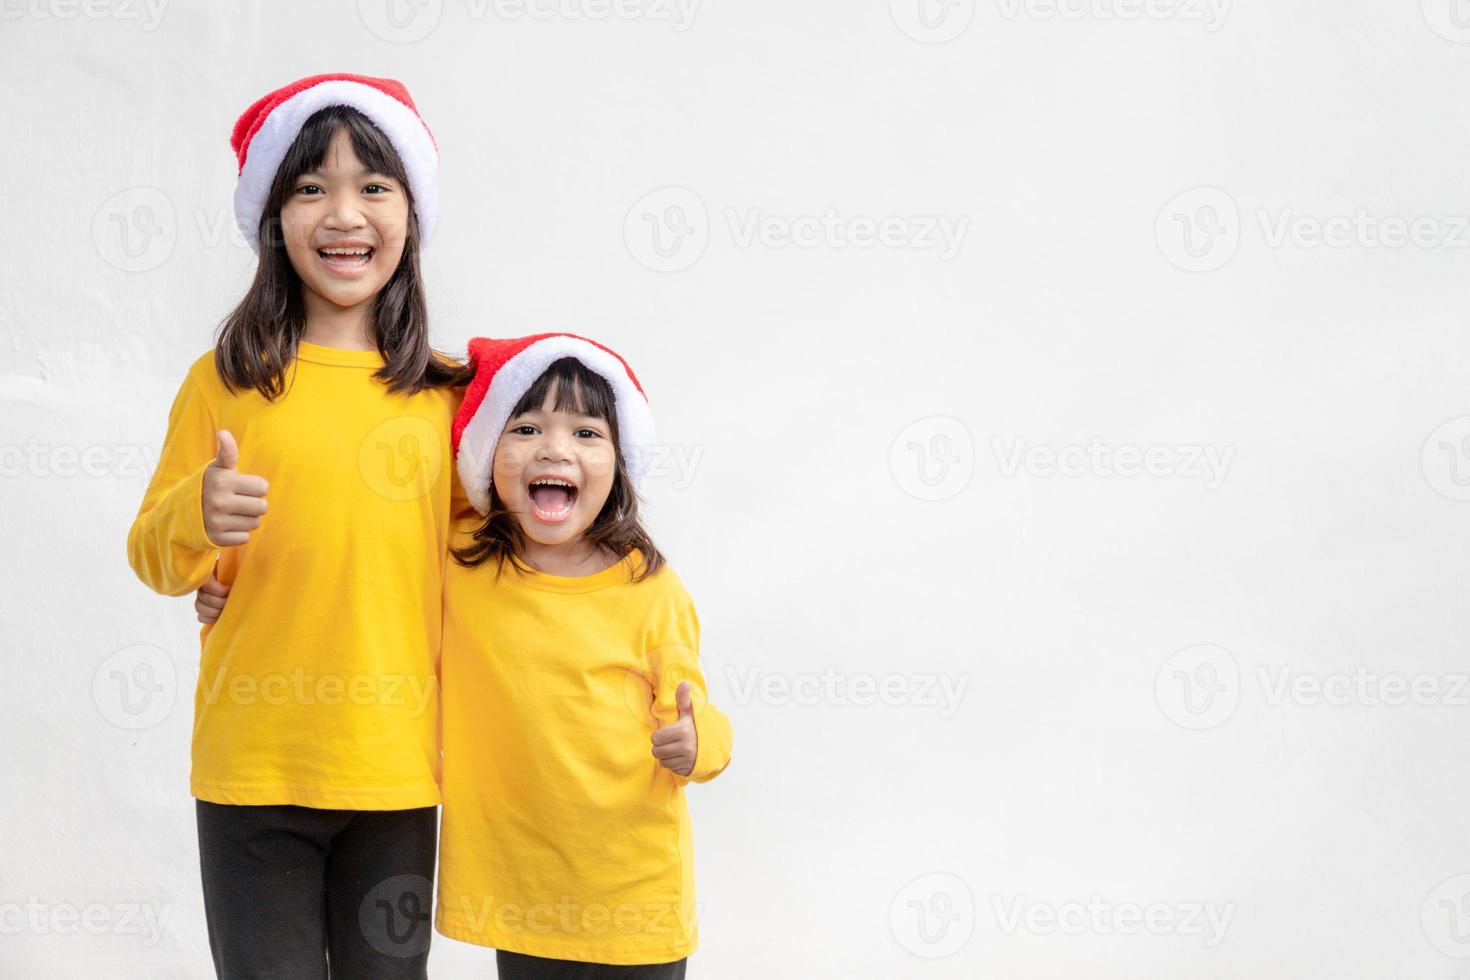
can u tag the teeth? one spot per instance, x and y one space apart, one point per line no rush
346 251
552 483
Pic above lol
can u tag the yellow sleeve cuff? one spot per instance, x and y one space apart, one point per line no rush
182 510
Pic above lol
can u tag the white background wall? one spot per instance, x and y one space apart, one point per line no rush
858 490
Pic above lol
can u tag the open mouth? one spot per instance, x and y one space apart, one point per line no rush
346 258
552 499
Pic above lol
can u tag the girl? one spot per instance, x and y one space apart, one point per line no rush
315 753
574 707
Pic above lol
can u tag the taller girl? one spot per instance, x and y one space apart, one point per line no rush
315 750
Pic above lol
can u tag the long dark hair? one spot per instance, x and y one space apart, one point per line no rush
616 527
257 342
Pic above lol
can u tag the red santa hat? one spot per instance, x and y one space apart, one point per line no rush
267 129
506 369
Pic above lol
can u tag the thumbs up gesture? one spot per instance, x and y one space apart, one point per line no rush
233 501
676 746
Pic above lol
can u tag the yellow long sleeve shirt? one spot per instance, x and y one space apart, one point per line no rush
562 836
318 684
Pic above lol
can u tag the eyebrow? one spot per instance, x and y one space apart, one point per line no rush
364 172
541 411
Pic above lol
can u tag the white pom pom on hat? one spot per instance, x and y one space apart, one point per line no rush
266 130
506 369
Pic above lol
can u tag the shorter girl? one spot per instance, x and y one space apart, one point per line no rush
574 710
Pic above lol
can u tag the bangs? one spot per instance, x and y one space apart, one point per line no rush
373 149
578 389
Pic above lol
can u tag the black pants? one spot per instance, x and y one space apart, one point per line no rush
297 893
518 966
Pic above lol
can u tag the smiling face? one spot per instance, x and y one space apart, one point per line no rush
344 227
554 468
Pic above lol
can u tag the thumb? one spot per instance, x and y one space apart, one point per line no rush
683 700
229 453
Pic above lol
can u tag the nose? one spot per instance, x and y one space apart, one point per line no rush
554 448
344 213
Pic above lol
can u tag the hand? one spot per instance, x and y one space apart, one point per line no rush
209 601
676 746
232 501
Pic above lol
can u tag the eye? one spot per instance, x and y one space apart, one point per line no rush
590 433
377 189
524 430
309 189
